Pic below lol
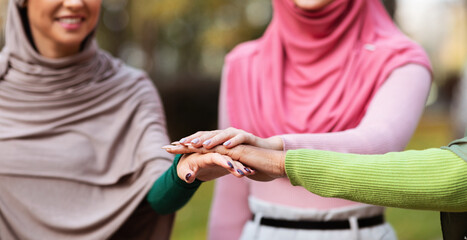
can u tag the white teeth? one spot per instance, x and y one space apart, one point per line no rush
70 20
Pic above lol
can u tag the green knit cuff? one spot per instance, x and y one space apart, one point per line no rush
292 166
169 193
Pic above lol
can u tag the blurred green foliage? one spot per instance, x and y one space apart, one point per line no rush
173 38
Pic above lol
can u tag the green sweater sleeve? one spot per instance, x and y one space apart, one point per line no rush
432 179
169 193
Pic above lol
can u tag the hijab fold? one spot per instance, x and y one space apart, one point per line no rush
315 71
80 139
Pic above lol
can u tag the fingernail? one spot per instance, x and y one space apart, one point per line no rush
188 176
248 170
182 140
240 172
227 143
172 147
230 164
207 142
195 141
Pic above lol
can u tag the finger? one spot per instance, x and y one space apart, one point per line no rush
237 140
227 163
234 167
178 149
182 149
211 165
198 138
184 171
204 139
187 139
190 138
222 137
242 169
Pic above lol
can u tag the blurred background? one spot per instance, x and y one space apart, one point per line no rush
182 44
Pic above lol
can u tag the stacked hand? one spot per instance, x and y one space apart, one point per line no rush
212 154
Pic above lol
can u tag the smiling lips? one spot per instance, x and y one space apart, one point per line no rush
71 23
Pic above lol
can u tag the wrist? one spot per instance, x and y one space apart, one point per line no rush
275 143
276 163
281 163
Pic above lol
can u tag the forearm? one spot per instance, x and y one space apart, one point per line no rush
432 179
389 121
169 193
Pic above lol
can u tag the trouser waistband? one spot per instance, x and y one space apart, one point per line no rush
321 225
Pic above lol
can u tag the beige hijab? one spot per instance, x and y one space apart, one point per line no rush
80 142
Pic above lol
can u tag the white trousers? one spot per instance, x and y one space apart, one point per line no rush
254 231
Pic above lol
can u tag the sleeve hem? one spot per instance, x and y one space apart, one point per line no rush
290 162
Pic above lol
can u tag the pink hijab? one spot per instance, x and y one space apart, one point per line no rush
315 71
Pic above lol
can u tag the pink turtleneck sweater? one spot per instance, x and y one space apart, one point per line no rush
388 124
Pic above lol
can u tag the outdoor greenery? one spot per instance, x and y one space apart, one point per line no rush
171 38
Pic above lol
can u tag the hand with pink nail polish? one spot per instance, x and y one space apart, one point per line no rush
230 138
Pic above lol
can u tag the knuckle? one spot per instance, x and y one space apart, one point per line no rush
242 150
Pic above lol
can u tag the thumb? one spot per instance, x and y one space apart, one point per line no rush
184 171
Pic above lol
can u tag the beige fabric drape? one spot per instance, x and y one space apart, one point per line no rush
80 142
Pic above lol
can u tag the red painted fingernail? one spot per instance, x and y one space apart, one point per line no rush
188 176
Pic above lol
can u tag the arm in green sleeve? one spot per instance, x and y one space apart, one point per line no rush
432 179
169 193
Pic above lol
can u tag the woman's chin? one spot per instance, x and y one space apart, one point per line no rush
70 42
312 5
